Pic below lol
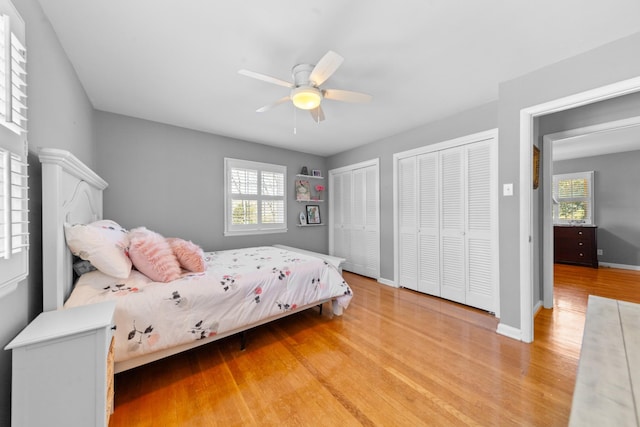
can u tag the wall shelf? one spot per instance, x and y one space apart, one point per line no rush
309 201
309 176
310 225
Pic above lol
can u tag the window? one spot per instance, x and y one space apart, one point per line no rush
14 208
13 85
573 198
255 198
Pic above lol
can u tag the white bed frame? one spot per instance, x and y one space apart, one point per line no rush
72 193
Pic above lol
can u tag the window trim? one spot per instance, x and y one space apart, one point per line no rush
589 176
259 229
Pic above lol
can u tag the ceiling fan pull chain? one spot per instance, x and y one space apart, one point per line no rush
295 131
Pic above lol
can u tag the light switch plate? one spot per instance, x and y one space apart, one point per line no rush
507 189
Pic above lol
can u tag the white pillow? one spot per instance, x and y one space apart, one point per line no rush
103 243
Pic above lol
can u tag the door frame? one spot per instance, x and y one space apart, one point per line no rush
527 140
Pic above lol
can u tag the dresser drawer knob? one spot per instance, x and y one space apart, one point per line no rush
579 243
581 254
580 233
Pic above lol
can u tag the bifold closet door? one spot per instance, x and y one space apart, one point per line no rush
445 206
341 215
428 224
407 224
418 217
452 232
365 239
480 246
355 214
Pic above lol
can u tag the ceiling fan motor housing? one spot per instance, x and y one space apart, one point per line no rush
301 74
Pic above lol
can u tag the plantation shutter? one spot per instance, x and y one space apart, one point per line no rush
255 201
574 196
14 201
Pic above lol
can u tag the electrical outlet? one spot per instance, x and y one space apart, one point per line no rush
600 251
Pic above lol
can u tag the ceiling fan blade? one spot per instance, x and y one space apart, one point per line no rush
327 65
346 95
272 105
265 78
317 114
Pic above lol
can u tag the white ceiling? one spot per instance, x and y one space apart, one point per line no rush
176 61
619 137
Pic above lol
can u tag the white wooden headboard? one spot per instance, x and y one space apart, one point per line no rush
72 193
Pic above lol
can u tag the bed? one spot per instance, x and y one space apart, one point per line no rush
239 289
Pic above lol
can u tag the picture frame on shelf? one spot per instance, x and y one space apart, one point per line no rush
313 214
316 172
536 167
303 190
303 218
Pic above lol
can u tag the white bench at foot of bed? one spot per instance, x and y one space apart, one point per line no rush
607 390
333 260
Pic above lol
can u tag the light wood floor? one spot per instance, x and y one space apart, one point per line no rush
396 358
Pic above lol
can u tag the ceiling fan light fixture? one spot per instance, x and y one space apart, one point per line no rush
306 97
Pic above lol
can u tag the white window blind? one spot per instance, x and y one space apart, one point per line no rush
573 198
13 79
255 197
14 201
19 205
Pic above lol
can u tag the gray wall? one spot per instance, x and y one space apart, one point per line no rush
171 180
602 66
60 116
465 123
616 202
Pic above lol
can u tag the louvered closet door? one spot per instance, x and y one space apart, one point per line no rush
358 257
452 233
407 224
479 236
371 222
341 214
429 225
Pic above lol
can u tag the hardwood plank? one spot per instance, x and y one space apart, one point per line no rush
396 357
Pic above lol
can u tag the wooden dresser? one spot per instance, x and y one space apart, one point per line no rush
575 245
63 368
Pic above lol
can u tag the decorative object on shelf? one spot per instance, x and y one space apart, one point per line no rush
303 191
316 172
303 219
536 167
304 171
313 214
319 189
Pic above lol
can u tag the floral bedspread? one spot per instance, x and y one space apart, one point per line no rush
239 287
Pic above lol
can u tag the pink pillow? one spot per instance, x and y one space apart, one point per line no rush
190 256
152 255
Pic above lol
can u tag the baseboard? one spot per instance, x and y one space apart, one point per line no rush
387 282
621 266
537 308
509 331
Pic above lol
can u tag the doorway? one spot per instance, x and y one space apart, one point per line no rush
528 133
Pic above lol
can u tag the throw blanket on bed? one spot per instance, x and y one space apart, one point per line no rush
240 287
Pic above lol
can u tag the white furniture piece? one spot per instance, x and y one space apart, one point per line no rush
446 220
354 219
63 368
607 390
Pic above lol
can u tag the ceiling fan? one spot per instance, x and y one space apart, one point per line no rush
306 93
